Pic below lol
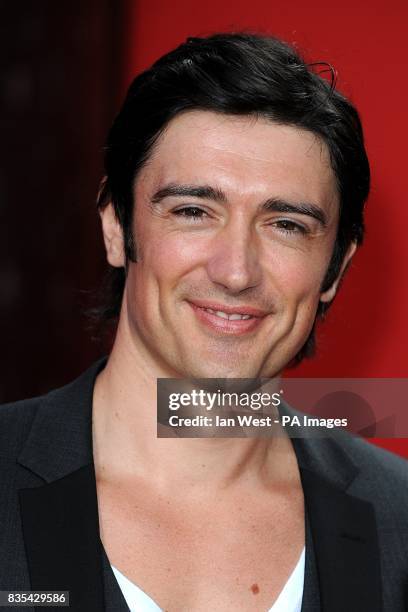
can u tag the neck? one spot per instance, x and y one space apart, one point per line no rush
126 446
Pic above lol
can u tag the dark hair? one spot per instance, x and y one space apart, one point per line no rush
236 74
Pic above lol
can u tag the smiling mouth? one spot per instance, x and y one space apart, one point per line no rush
237 320
230 317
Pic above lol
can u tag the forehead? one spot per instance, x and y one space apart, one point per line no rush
242 155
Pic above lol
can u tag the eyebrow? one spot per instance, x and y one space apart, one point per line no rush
301 208
200 191
208 192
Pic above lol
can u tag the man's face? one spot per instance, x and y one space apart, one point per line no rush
235 222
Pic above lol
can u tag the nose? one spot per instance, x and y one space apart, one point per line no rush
234 263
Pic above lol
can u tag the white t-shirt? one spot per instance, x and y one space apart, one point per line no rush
289 600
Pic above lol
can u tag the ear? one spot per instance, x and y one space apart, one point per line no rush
328 295
112 236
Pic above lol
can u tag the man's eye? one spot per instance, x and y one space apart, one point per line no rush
192 212
290 227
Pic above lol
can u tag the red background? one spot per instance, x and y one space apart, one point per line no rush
366 334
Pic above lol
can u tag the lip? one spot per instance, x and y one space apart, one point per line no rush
245 310
226 326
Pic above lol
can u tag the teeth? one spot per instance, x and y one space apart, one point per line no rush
221 314
224 315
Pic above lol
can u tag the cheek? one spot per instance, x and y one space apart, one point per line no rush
161 245
164 258
298 275
175 254
303 282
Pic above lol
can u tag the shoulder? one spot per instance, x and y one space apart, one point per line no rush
62 416
372 459
16 419
382 475
358 466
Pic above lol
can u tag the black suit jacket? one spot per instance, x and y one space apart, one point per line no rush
356 499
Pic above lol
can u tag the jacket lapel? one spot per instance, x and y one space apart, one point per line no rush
60 518
343 530
60 526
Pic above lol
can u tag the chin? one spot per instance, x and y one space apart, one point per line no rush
218 370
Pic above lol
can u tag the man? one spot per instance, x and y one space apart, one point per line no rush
232 205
